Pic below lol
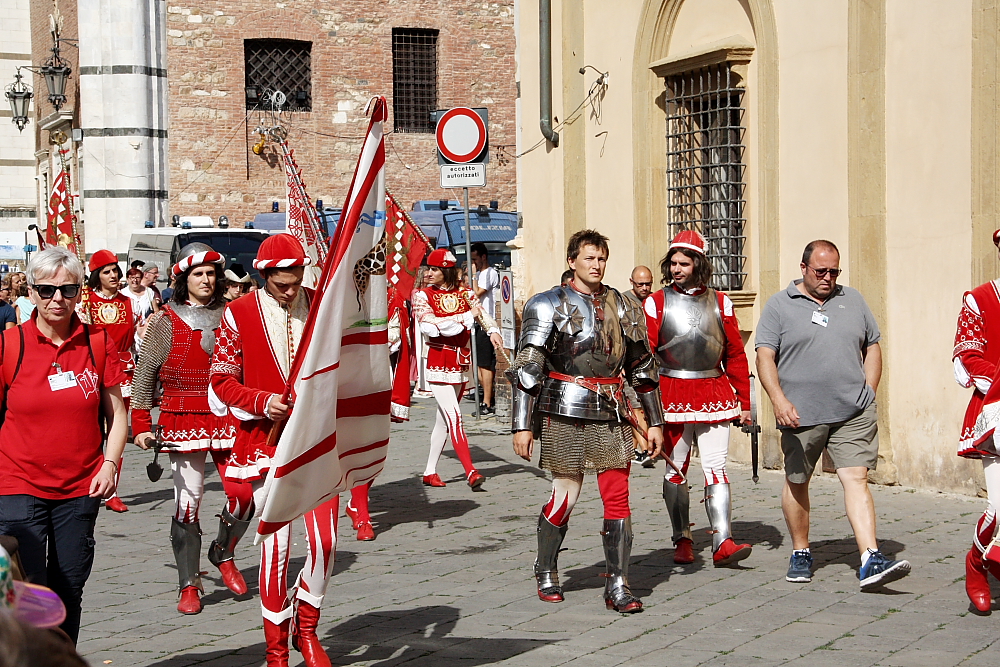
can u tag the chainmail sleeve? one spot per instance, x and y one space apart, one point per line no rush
152 355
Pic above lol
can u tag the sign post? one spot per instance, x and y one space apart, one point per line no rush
507 308
463 151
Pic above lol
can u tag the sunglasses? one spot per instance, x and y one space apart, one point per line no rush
821 273
49 291
649 284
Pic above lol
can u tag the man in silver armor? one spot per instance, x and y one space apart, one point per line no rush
580 342
705 385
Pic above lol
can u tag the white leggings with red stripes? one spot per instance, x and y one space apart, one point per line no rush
448 422
321 547
713 444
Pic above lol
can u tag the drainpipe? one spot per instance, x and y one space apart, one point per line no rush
545 71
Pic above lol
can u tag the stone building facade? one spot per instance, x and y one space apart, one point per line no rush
213 169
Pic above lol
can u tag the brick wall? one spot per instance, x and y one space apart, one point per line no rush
212 169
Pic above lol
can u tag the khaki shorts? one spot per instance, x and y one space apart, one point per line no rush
852 443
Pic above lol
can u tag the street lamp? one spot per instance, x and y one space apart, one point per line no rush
19 96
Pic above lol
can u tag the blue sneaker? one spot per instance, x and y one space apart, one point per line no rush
800 567
879 571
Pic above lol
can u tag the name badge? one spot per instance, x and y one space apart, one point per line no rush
820 319
60 381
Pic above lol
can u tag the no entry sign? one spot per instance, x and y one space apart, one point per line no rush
462 136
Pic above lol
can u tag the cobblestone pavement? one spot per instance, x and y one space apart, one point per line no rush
448 581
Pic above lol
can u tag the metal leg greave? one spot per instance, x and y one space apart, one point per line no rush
718 506
677 498
617 535
231 530
550 539
185 538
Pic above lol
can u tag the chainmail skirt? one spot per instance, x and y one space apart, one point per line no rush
574 446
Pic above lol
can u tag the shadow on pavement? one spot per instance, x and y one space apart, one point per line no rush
406 501
420 636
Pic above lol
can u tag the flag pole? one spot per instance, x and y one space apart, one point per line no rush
468 264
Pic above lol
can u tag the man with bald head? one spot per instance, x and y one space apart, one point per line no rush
642 284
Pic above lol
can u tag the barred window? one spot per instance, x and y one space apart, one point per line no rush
414 78
278 65
705 188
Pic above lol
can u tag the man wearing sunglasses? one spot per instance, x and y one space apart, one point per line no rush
642 285
818 358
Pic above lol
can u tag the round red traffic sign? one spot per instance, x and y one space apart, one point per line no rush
505 289
461 134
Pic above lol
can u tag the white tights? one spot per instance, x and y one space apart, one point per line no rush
188 470
713 444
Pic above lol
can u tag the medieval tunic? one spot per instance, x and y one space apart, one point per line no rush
975 356
445 319
704 400
256 345
179 358
115 316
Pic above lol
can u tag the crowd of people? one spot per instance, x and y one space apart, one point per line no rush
601 379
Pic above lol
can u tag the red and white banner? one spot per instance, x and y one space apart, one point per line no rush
303 220
337 435
60 214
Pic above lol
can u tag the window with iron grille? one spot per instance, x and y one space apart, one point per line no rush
283 65
414 78
705 188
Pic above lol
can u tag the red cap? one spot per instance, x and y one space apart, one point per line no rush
442 258
280 251
996 238
102 258
689 239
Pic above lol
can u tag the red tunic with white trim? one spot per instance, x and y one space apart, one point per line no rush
975 358
115 316
173 354
704 400
445 319
254 350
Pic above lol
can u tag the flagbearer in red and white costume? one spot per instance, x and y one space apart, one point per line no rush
705 385
977 359
254 351
104 306
176 354
445 312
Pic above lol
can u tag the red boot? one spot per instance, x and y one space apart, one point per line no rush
683 552
276 637
232 577
729 552
304 638
977 583
190 602
366 533
115 504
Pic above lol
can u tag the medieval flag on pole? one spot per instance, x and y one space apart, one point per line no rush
303 220
406 248
338 431
60 215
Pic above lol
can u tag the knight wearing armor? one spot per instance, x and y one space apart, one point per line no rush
254 350
104 306
705 385
580 343
444 312
175 354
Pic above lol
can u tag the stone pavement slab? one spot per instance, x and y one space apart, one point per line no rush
448 579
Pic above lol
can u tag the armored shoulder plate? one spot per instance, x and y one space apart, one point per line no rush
631 316
537 319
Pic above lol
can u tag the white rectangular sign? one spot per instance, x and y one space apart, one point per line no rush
463 175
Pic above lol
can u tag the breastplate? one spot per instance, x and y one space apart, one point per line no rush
692 340
583 344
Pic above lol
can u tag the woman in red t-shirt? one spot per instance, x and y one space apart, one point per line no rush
68 377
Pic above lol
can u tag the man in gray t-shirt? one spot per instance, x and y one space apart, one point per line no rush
819 359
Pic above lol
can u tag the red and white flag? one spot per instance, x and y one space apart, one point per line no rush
303 220
338 432
60 214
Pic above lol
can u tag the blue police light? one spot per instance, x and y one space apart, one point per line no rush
274 207
148 224
186 224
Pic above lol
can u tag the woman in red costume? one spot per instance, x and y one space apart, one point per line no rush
176 353
444 312
104 306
